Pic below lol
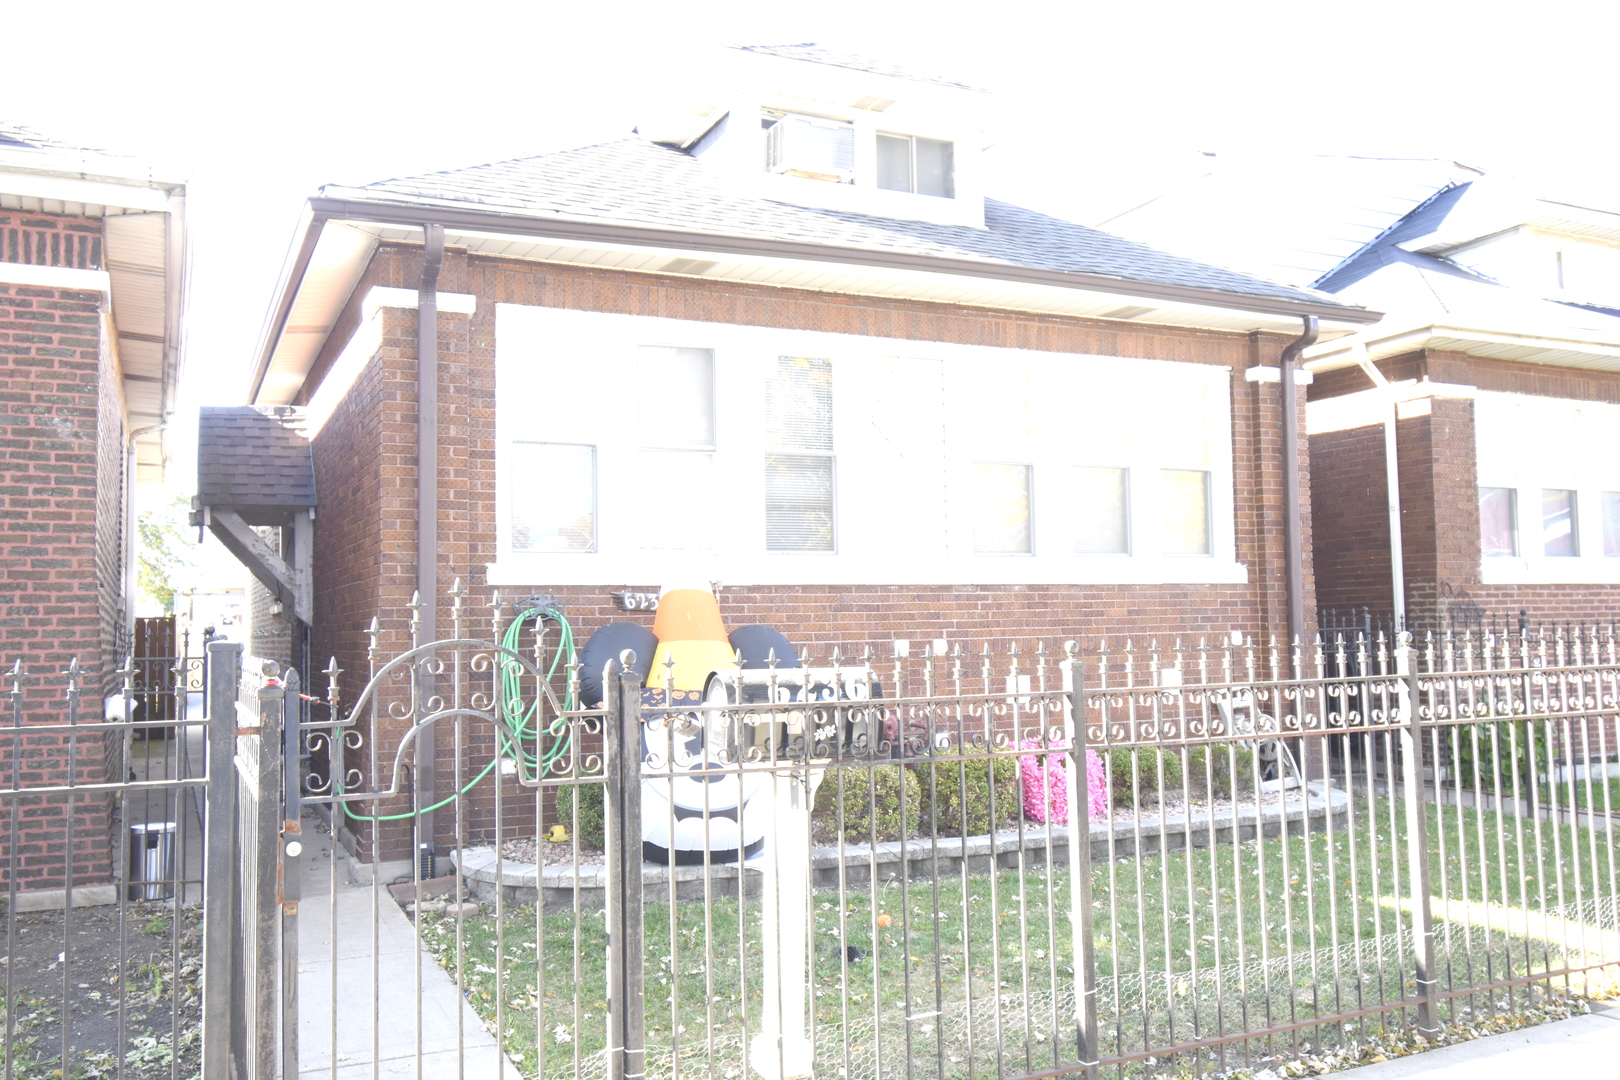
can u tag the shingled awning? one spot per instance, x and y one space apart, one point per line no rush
254 469
255 460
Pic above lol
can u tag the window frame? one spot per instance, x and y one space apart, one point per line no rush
911 164
778 451
873 543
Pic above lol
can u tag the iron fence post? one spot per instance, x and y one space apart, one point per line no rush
267 906
1417 836
622 761
288 881
224 664
1080 922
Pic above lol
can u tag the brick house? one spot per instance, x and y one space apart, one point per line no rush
1502 351
783 340
91 300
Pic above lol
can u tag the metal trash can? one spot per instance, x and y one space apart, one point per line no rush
151 861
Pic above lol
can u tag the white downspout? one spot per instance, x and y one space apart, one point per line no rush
1392 481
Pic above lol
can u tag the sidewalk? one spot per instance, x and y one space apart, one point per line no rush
394 980
1585 1046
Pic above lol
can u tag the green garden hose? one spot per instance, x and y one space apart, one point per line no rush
522 719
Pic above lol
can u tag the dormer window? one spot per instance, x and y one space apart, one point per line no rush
810 146
913 163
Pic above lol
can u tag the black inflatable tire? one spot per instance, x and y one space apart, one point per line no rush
756 642
609 640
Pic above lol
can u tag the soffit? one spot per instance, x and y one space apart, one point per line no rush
344 249
340 257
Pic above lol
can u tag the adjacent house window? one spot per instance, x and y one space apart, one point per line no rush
1498 522
799 489
1558 535
675 418
1185 497
1102 503
1001 509
1611 524
553 497
913 163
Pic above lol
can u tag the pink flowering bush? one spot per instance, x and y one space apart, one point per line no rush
1046 785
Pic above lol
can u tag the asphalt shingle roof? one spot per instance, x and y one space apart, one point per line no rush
254 459
635 182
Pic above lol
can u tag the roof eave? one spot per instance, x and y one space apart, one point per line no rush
322 209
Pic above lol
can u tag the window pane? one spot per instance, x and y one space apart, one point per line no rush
798 503
1611 523
553 497
798 405
1498 531
675 389
1001 507
894 162
1558 522
679 489
934 159
1100 499
1186 511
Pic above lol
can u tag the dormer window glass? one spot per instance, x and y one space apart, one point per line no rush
913 163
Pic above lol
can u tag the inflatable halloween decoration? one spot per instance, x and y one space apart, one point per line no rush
697 786
694 796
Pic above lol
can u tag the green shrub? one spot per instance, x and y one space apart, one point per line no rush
961 794
592 828
863 789
1133 772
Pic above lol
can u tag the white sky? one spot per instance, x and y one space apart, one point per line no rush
257 105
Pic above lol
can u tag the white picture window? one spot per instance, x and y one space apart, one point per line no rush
675 398
1002 509
1102 506
799 490
632 448
1184 495
553 497
1498 523
1558 534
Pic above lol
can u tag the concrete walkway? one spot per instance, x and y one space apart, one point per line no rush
387 989
1586 1046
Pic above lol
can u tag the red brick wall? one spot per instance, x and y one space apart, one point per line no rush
365 460
56 451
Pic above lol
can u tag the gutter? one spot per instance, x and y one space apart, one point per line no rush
1293 527
321 210
427 522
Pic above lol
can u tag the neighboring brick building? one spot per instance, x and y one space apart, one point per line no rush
1503 350
783 341
90 305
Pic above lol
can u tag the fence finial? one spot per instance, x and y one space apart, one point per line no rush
456 593
332 672
416 617
372 653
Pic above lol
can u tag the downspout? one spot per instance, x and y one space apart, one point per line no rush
131 533
1392 481
1293 529
427 518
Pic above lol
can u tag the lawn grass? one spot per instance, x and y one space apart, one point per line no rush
1218 939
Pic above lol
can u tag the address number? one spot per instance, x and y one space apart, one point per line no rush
635 601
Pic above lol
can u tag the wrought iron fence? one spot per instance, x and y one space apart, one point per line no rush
101 816
998 862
